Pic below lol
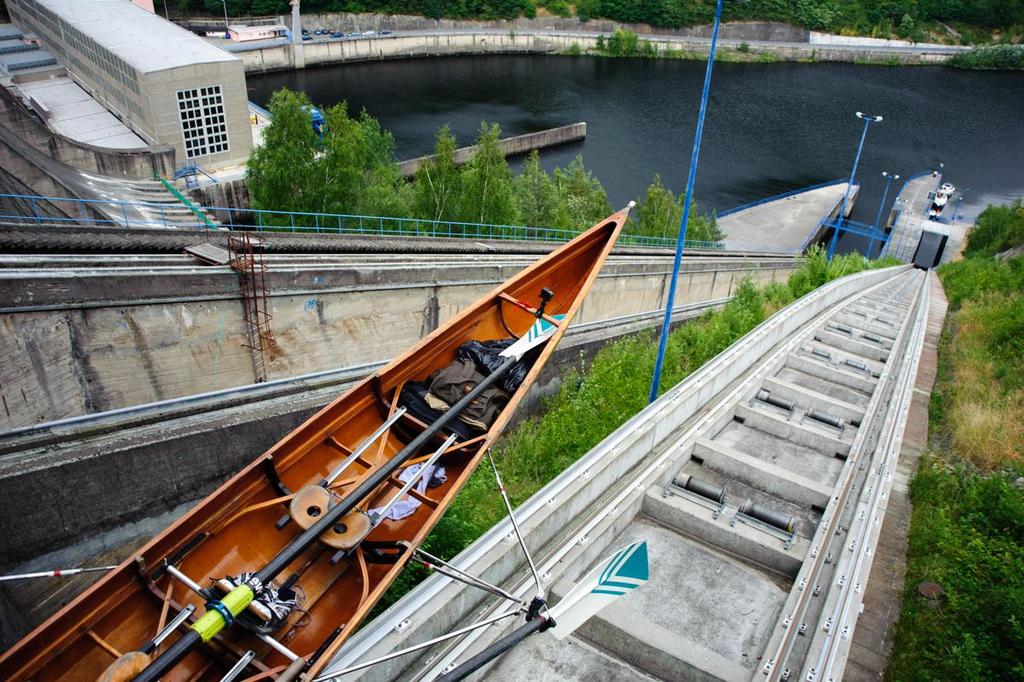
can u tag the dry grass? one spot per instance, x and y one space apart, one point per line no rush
984 416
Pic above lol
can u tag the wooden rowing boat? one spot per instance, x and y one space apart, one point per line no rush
238 528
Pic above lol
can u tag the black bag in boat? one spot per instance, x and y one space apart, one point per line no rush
486 356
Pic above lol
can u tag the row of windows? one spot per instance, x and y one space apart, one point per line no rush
203 126
59 35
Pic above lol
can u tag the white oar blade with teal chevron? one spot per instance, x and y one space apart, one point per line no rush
614 577
538 334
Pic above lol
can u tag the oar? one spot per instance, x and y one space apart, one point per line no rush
222 613
617 575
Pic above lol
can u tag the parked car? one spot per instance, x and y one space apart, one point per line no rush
369 33
353 34
337 34
385 33
305 31
306 36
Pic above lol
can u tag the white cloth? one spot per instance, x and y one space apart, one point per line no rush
406 506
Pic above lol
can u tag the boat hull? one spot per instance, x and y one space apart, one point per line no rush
235 529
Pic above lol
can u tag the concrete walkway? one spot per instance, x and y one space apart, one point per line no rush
913 202
785 224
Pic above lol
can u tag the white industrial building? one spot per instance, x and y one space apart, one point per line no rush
167 84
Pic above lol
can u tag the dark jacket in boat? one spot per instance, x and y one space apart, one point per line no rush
452 383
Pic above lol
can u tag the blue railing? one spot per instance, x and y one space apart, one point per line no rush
825 219
790 193
149 215
260 110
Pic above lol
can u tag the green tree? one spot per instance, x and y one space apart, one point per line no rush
588 9
488 193
582 200
438 181
660 213
536 195
342 167
265 7
282 171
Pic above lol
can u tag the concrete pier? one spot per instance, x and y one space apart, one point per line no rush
510 146
787 223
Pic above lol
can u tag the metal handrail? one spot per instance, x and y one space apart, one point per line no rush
825 219
263 220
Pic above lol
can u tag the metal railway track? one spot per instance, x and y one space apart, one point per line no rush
760 484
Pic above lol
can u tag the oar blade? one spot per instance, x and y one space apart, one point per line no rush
614 577
538 334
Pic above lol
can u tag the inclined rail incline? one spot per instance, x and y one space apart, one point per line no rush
760 483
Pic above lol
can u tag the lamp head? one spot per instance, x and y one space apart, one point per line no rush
873 119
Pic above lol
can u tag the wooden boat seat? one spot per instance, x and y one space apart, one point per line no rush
312 501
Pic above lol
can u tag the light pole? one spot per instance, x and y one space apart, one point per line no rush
868 120
959 198
227 33
888 181
687 202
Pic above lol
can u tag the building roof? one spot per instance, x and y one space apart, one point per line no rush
144 40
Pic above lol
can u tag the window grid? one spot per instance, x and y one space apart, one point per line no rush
203 125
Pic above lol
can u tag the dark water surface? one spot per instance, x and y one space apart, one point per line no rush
769 128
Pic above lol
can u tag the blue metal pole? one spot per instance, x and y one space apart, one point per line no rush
681 237
881 204
868 120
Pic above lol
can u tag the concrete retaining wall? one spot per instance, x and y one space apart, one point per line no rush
733 30
79 342
544 42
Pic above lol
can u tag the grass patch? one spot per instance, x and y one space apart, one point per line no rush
593 401
967 528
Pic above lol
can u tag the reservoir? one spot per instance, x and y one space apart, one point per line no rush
770 127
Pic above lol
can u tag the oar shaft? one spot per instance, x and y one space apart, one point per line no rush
55 574
493 651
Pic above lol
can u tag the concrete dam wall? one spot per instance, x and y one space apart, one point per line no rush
83 334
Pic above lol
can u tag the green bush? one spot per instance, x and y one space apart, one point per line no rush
997 229
967 534
967 278
1005 57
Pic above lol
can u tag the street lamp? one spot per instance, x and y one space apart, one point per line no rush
888 181
959 198
687 202
868 120
227 33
